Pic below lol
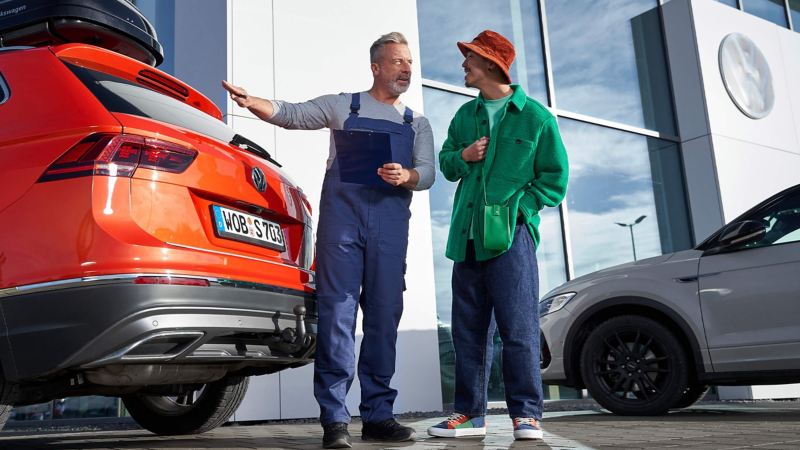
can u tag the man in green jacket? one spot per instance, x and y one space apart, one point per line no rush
504 149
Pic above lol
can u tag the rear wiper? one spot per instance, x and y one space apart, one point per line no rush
250 146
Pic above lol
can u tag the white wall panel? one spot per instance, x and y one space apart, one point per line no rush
776 391
322 47
251 65
263 400
297 393
770 392
749 173
790 48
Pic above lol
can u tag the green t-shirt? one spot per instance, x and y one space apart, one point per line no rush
494 109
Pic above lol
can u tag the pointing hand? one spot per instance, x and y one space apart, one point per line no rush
239 95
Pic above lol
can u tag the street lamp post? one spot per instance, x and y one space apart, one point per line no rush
630 227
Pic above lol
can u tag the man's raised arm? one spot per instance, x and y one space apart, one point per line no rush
261 107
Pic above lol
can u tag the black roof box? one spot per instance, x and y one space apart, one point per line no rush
112 24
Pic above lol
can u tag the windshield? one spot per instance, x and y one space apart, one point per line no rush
122 96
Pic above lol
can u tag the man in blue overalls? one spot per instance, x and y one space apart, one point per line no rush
362 236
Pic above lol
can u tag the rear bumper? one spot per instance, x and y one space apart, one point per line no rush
87 324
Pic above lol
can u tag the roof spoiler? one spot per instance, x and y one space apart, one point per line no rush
137 72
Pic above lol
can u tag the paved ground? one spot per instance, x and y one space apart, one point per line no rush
761 425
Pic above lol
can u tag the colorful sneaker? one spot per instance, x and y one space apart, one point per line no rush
526 428
458 425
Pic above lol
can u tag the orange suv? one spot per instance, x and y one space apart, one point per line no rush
148 251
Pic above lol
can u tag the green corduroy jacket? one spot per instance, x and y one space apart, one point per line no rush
525 165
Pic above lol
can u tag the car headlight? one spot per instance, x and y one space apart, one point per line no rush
554 303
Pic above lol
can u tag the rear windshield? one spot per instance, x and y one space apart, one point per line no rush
122 96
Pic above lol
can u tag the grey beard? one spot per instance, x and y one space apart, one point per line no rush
396 88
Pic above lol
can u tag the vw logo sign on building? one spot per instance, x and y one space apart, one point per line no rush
259 180
746 76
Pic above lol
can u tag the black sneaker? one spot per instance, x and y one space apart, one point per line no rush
388 430
336 436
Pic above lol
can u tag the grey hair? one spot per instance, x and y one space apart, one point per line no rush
395 37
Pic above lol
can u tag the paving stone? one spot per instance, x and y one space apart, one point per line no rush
753 426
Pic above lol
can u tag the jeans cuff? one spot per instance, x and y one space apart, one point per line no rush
334 419
537 417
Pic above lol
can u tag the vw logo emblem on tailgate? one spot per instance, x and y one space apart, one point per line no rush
259 180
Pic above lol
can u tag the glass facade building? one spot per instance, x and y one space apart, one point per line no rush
600 67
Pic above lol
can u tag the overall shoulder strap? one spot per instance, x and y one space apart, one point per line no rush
355 103
408 116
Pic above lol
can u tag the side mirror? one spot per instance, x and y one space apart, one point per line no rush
741 233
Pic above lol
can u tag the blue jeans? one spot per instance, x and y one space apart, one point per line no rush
499 293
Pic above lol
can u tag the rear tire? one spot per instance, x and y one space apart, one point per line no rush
193 413
633 365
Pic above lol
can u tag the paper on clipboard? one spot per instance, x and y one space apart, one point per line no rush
360 153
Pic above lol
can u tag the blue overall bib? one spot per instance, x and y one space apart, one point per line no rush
361 250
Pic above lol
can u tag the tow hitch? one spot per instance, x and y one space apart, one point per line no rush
292 340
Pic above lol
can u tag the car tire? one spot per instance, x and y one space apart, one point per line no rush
633 365
193 413
691 395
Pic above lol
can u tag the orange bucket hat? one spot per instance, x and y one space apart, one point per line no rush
492 46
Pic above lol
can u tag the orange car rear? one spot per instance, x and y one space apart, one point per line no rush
150 250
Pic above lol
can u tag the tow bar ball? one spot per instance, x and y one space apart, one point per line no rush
294 339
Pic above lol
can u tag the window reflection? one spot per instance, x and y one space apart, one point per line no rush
608 61
517 20
733 3
68 408
794 10
440 107
39 411
550 254
781 221
617 177
91 406
772 10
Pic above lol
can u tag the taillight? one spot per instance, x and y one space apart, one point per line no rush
119 155
307 250
306 203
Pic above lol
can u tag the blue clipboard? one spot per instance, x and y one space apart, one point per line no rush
360 153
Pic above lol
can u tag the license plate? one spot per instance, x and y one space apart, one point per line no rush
243 227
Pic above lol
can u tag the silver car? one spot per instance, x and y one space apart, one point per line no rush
651 335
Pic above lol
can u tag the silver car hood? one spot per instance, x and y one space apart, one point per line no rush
668 266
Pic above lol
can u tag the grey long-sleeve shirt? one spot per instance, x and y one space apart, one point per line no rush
332 110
